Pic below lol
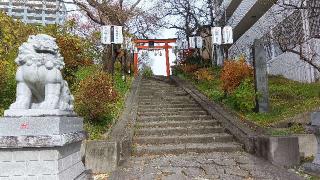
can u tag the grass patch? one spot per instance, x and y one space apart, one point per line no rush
287 99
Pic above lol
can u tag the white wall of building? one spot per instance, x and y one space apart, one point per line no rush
240 12
287 64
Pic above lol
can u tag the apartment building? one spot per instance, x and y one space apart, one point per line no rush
262 19
35 11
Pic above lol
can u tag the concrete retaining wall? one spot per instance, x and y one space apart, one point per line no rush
307 145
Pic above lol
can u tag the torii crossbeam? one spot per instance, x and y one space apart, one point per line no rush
149 44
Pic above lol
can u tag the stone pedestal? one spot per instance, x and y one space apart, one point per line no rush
314 167
45 148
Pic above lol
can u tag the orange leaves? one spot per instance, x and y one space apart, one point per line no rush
93 96
233 73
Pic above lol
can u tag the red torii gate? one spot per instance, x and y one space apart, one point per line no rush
141 44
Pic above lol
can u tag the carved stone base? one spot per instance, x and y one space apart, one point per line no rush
41 148
37 113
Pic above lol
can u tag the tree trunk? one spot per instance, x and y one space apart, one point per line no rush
107 60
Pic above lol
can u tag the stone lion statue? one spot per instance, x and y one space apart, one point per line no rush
40 82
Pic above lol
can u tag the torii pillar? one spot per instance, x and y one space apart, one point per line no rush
140 44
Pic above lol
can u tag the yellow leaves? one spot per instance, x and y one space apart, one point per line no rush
12 35
204 74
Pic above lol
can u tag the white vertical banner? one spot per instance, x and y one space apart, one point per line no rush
106 34
227 35
192 42
216 35
199 42
118 35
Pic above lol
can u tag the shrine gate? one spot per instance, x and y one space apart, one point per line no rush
149 44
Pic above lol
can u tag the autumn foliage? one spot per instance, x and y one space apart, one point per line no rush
234 72
73 50
93 96
189 68
204 74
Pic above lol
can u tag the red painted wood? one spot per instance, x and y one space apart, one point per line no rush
155 47
135 62
155 40
140 44
167 61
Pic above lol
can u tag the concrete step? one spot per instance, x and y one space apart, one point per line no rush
163 124
186 102
157 88
161 93
165 106
201 138
173 118
147 109
151 94
166 99
165 113
173 98
186 148
178 131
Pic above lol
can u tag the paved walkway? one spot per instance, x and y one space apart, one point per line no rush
226 166
176 139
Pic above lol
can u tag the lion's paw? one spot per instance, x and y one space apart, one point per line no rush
48 105
19 105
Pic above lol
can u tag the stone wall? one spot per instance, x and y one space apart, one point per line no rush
51 163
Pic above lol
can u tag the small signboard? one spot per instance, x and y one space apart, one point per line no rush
118 36
199 42
111 34
106 34
227 35
216 35
192 42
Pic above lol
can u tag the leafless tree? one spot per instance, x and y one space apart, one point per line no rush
186 16
124 13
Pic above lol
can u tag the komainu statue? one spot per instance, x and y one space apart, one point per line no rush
40 85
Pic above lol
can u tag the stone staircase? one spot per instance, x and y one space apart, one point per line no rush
171 122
